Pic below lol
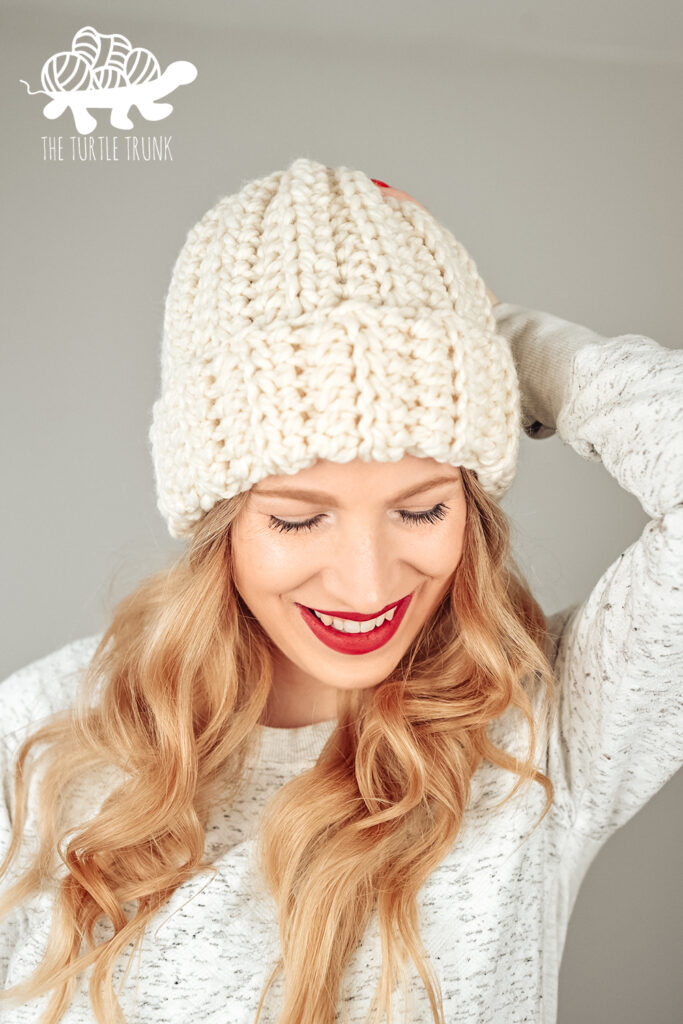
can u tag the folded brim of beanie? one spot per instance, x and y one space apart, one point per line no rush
334 384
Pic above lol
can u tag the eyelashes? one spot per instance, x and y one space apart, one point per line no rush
414 518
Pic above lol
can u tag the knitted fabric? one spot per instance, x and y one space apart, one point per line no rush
313 316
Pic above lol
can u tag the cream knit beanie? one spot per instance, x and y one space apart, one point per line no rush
313 316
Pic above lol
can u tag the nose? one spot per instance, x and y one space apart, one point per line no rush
364 574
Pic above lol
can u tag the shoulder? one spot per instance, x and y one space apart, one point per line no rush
34 692
556 626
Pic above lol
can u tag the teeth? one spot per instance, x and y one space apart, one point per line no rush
350 626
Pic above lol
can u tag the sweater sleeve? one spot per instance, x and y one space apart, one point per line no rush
9 925
13 926
617 736
28 698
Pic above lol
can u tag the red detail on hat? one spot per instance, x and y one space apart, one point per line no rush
382 184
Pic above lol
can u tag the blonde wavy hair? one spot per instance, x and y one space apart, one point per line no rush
187 673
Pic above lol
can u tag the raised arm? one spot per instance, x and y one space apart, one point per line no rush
618 735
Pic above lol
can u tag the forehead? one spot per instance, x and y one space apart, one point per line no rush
359 479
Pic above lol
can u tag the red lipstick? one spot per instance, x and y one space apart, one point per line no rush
355 643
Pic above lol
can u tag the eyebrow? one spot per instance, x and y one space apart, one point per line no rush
298 494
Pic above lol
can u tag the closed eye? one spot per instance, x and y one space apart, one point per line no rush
415 518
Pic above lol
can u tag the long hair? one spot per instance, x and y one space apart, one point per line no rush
172 698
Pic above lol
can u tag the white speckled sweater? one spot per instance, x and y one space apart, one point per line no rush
494 914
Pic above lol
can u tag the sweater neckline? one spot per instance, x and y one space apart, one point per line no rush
302 743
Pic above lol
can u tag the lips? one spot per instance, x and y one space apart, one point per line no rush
355 643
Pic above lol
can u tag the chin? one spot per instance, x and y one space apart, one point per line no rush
358 676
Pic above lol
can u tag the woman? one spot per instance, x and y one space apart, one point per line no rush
336 760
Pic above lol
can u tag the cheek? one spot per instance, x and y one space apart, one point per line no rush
439 549
457 537
440 560
264 564
248 564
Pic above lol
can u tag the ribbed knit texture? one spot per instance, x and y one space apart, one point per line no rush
313 316
494 914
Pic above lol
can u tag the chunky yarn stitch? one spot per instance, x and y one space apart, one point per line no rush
312 316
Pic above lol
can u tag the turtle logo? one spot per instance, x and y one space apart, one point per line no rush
107 71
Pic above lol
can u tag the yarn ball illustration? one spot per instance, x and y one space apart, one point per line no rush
98 61
108 77
99 49
141 66
65 72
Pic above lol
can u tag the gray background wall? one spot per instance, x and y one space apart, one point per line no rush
547 136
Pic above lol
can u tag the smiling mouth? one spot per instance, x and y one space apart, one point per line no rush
360 634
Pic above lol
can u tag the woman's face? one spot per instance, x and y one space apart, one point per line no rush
354 542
